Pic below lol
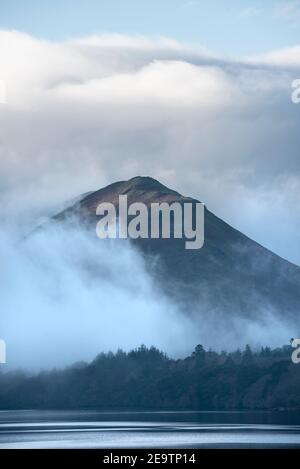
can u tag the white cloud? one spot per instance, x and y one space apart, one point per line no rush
86 112
2 92
285 58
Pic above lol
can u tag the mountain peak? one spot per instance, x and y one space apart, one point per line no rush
146 184
138 189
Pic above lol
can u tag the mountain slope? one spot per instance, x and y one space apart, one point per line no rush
231 275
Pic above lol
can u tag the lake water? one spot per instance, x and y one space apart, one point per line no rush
92 429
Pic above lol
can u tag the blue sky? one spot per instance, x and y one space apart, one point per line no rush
235 27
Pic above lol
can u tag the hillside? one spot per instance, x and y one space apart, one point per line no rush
231 275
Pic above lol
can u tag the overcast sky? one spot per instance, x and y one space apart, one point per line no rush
195 94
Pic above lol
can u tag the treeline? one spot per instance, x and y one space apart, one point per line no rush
145 378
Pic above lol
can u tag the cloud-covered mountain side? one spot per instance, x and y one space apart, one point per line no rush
232 276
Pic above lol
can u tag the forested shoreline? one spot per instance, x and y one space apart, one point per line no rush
146 378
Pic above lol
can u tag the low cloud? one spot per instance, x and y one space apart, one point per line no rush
66 296
86 112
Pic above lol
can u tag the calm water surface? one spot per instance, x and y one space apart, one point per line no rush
92 429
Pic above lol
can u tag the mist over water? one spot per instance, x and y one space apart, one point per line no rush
66 296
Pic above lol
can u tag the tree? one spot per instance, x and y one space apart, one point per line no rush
247 355
199 353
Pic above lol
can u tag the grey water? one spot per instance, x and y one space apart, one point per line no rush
95 429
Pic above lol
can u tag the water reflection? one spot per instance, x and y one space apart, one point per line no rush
92 429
